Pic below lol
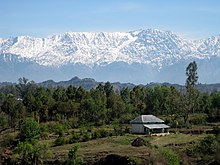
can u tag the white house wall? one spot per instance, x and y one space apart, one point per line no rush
137 128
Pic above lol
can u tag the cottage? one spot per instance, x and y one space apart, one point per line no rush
148 124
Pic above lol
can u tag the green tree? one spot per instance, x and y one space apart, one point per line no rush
73 159
191 93
9 107
138 100
71 92
125 95
192 75
44 102
80 94
215 106
30 129
108 89
32 153
24 86
204 103
60 94
99 96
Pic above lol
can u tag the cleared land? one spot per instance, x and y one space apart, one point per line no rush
94 150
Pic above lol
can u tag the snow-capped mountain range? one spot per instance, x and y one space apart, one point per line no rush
150 51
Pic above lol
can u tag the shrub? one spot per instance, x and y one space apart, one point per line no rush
4 121
118 130
56 127
75 137
30 129
86 137
207 149
60 129
44 135
96 135
7 140
216 130
127 130
60 141
171 157
44 128
32 153
73 159
103 133
73 122
198 118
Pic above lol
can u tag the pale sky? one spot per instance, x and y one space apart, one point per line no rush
191 19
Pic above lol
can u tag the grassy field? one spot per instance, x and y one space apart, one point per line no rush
176 139
94 150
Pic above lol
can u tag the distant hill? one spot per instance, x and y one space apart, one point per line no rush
86 83
89 83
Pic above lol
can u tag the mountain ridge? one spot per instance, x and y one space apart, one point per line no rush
149 46
110 56
89 83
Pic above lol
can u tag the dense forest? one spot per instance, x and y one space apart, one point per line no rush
100 105
26 103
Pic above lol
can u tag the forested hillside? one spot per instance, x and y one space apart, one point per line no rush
32 114
100 105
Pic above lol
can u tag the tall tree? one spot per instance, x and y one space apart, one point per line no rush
9 107
191 93
24 86
192 75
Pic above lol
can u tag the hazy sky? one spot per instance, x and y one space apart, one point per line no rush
192 19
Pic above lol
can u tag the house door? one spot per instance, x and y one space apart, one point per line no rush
146 130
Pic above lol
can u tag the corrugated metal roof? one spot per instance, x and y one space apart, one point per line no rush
155 126
151 119
147 119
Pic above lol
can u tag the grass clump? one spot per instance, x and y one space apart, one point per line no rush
171 157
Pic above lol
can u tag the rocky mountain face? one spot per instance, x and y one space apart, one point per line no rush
140 56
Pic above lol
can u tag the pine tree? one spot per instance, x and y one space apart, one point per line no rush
191 96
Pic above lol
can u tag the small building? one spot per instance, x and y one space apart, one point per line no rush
148 124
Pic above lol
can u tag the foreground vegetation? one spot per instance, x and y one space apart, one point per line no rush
171 149
45 125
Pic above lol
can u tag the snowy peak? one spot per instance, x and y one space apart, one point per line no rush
153 47
211 46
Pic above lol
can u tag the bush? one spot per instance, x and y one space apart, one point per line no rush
75 137
127 130
96 135
216 130
60 141
32 153
60 129
198 118
7 140
44 135
73 158
30 129
56 127
73 122
103 133
118 130
207 149
86 137
171 157
4 121
44 128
